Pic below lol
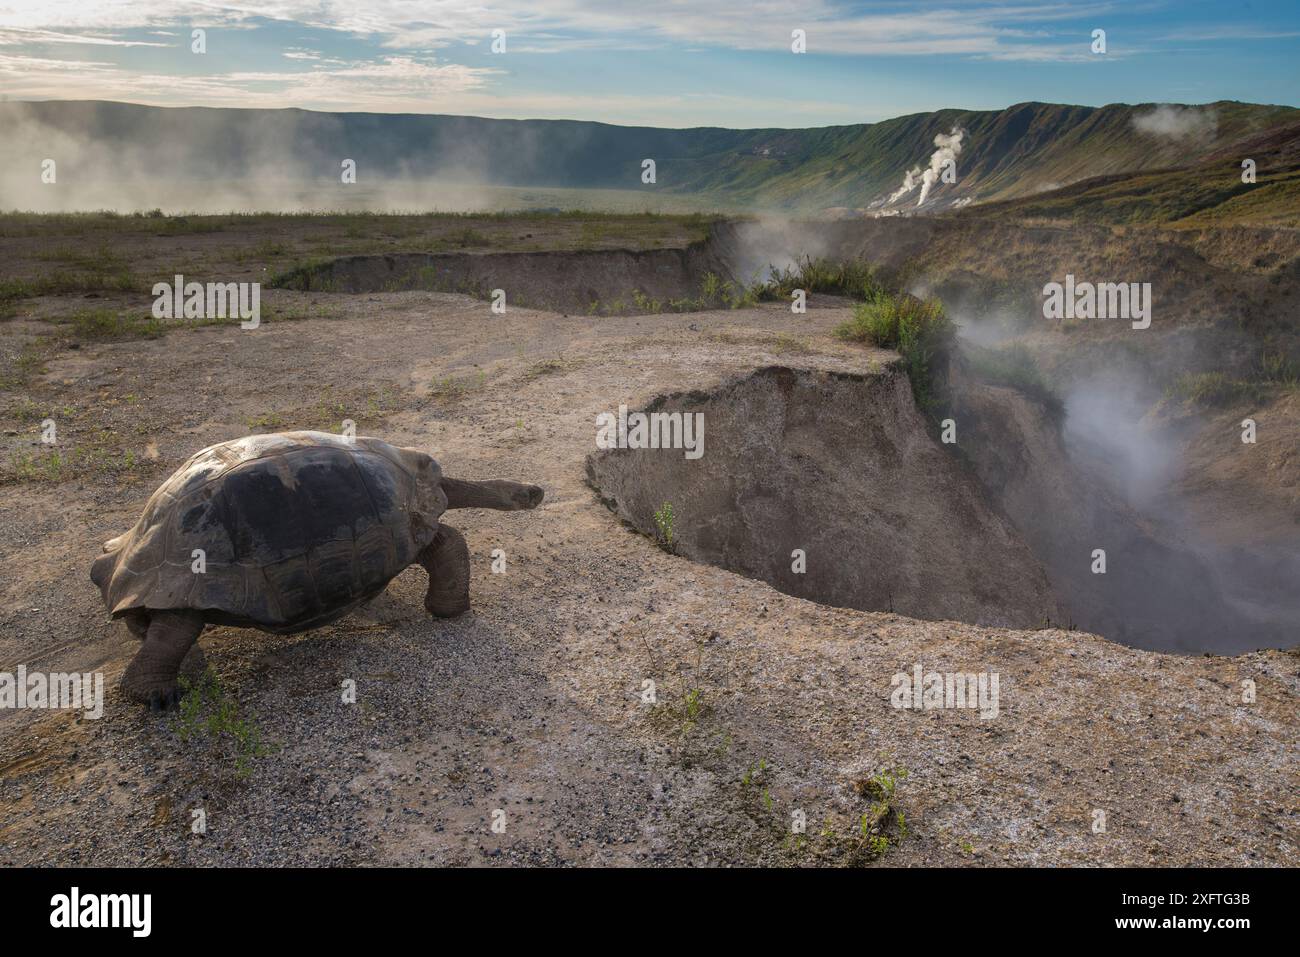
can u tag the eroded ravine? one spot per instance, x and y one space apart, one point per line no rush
834 487
842 468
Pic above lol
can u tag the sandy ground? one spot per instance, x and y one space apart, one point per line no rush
532 703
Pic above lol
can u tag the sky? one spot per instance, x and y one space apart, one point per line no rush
674 63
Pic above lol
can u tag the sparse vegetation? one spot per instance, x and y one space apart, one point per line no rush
27 361
717 292
65 282
546 367
853 277
328 413
879 828
454 387
1274 372
645 304
56 464
109 324
866 835
665 521
919 330
207 712
682 713
465 239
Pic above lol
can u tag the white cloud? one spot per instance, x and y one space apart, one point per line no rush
936 28
394 83
21 37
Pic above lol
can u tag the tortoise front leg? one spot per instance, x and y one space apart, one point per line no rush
151 676
446 559
137 623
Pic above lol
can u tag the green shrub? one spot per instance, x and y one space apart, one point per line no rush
920 331
853 277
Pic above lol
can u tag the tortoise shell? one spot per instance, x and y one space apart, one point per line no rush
296 529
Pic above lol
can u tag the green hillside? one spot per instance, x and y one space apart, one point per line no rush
1209 192
1025 149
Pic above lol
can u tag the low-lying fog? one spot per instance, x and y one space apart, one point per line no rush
1168 584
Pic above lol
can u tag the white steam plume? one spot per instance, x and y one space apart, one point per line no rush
909 184
949 146
1177 122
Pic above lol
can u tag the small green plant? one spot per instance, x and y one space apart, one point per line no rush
683 711
207 712
711 288
692 705
879 828
645 304
665 521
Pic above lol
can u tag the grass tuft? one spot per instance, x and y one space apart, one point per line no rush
920 331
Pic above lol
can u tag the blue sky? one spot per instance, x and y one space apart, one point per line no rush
652 62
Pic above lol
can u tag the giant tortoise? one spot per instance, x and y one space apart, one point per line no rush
284 532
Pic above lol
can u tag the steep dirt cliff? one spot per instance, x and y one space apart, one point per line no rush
844 468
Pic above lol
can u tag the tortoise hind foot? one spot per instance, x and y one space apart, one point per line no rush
446 559
447 609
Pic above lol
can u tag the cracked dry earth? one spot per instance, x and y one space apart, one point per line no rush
532 702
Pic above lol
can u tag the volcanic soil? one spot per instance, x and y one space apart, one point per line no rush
535 703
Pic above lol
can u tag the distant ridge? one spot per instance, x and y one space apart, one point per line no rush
1017 152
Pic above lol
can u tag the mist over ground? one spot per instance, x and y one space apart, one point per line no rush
1171 583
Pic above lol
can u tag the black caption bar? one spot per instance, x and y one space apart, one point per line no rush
138 907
